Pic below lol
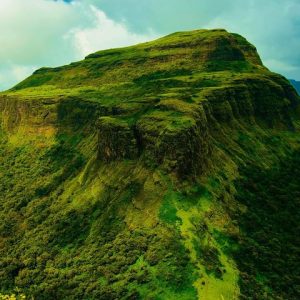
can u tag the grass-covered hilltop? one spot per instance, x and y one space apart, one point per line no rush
167 170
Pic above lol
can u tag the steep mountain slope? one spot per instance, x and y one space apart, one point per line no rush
166 170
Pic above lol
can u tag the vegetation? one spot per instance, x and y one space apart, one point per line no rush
166 170
268 245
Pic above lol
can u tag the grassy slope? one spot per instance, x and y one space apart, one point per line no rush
84 217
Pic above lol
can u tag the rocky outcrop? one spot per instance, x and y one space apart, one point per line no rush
267 101
116 140
175 144
178 144
16 114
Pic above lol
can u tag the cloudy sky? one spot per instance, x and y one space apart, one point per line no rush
36 33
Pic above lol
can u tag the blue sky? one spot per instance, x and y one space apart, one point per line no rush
36 33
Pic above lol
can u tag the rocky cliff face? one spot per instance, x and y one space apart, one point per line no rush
116 140
140 157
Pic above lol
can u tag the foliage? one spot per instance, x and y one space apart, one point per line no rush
269 244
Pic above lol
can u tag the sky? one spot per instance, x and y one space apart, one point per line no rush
48 33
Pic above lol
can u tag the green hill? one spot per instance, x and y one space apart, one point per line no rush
165 170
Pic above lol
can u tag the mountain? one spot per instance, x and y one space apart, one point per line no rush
165 170
296 85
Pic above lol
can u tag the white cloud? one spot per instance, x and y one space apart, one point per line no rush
11 73
36 33
106 33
